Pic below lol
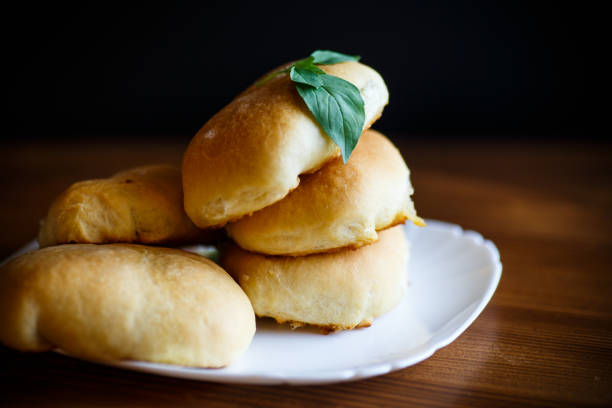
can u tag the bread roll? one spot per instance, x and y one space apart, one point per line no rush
124 302
341 205
140 205
335 291
250 154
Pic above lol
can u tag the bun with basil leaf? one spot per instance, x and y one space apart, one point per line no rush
293 121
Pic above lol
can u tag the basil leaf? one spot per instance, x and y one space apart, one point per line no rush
308 64
338 107
304 63
335 103
326 57
306 76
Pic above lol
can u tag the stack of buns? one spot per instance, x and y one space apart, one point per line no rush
329 253
298 214
312 240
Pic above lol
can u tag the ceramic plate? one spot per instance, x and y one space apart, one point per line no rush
453 274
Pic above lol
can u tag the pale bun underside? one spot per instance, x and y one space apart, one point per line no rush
335 291
139 205
250 154
124 302
341 205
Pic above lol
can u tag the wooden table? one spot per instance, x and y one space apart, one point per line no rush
544 340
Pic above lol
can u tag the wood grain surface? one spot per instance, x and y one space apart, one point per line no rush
544 340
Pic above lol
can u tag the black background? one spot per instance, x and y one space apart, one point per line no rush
146 70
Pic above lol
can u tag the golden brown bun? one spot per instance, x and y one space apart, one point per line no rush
339 290
250 154
140 205
341 205
124 302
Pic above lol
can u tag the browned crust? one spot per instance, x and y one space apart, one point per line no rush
353 246
323 329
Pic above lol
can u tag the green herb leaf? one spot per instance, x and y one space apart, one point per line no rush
306 76
326 57
304 63
338 107
335 103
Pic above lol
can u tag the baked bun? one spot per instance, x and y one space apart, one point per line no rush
124 302
250 154
140 205
341 205
335 291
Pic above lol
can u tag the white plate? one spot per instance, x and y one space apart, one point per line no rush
453 274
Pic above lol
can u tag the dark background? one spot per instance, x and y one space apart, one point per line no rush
476 67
